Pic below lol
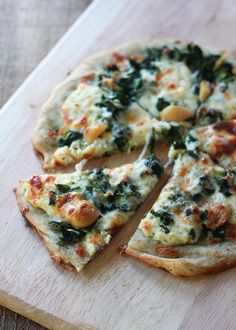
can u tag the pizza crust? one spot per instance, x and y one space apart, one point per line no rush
196 260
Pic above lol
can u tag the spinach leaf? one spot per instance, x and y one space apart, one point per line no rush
63 188
226 181
207 185
154 165
52 198
69 137
192 233
120 134
217 233
161 104
125 196
163 216
67 234
193 154
99 180
225 187
208 116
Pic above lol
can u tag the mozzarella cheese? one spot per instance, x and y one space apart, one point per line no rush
218 140
193 197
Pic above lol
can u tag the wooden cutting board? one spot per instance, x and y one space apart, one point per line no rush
114 292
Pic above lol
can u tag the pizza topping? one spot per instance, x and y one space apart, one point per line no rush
52 198
226 181
67 234
154 165
93 132
80 250
207 184
69 137
162 104
228 126
218 215
175 113
163 216
79 213
36 182
205 90
120 136
205 116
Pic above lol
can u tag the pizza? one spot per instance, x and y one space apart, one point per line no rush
132 96
113 100
76 214
191 228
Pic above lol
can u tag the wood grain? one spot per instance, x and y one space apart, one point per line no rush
29 29
114 292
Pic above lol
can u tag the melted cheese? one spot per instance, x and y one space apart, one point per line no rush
223 101
186 228
220 144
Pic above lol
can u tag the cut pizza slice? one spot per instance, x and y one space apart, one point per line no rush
191 228
112 101
77 214
217 140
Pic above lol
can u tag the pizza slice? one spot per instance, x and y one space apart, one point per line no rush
77 214
112 101
217 140
191 228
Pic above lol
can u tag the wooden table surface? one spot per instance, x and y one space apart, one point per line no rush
28 30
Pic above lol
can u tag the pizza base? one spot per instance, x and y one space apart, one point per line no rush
38 220
196 259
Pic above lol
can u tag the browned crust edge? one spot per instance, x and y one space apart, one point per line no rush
27 213
182 266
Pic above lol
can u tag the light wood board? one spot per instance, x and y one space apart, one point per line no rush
114 292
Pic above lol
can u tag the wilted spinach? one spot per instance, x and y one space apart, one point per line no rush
69 137
68 235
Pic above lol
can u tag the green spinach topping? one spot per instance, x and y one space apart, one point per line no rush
124 197
192 233
193 154
207 185
163 216
154 165
52 198
62 188
209 116
217 233
161 104
202 64
225 187
124 90
226 181
120 134
69 137
68 235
